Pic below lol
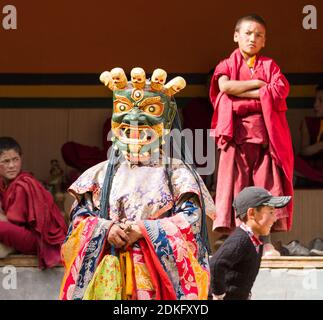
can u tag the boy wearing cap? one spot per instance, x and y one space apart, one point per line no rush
236 263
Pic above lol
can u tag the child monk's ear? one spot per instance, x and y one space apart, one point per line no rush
236 36
264 43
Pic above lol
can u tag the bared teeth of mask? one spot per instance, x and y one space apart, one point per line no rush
143 135
123 133
127 132
149 136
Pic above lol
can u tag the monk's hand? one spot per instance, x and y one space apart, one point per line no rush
117 236
3 217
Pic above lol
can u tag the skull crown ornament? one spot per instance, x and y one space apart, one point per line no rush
143 110
117 79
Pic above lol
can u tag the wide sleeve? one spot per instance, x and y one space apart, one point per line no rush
177 244
277 88
221 69
83 247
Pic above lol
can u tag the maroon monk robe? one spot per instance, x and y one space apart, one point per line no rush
81 156
28 204
311 167
241 127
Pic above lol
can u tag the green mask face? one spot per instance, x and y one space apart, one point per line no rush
143 112
139 121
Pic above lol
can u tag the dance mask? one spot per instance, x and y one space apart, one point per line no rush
143 111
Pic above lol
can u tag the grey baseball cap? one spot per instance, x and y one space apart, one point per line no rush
252 197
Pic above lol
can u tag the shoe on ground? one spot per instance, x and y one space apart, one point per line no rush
296 249
316 247
270 251
282 250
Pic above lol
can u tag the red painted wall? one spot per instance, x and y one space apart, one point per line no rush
180 36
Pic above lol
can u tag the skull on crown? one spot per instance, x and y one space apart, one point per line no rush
158 79
138 78
119 78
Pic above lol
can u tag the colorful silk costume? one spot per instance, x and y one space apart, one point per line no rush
163 195
253 137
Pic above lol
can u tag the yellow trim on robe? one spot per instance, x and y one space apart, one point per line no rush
126 275
201 277
70 250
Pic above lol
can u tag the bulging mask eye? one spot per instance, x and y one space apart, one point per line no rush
155 109
121 107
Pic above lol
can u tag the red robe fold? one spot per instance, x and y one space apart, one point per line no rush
273 107
27 203
82 157
311 167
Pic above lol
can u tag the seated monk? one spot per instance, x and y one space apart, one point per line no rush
309 162
30 221
81 157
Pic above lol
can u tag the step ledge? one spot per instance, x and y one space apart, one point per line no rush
21 260
292 262
288 262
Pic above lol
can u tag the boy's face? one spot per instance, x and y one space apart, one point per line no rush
10 164
318 104
250 37
263 220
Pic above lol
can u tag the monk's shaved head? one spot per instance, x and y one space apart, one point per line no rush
250 17
8 143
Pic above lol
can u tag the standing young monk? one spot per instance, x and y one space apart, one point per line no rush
248 93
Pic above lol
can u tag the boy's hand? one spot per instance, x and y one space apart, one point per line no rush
261 83
218 297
